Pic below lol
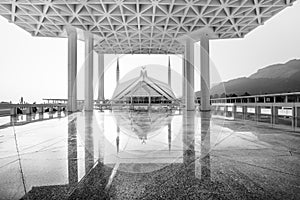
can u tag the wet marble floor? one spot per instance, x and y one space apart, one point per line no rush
146 155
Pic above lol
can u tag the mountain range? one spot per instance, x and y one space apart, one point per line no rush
278 78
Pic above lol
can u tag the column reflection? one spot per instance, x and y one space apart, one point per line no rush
51 112
92 185
88 142
72 152
196 168
13 119
28 117
169 135
41 116
205 145
118 139
101 140
59 113
188 142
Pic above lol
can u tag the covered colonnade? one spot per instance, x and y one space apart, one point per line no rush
140 27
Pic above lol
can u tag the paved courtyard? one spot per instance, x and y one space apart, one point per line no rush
147 155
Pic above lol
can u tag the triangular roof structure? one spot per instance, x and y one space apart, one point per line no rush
143 86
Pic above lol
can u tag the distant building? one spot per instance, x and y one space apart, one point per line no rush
143 90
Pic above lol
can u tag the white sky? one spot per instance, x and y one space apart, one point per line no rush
36 68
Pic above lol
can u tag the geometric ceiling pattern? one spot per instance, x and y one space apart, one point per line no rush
140 26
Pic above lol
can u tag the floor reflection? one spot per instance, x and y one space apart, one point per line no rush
188 140
142 155
205 145
196 162
89 142
141 124
72 152
193 167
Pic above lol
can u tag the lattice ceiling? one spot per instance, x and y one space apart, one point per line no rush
140 26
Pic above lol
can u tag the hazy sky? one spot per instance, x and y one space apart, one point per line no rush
36 68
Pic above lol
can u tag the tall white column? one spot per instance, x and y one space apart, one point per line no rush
183 81
101 77
204 70
72 69
88 78
189 67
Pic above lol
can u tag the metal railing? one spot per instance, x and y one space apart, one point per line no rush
275 114
14 109
263 98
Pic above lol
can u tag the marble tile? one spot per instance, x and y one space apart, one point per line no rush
147 155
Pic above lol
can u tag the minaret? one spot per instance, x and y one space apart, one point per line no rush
169 73
118 72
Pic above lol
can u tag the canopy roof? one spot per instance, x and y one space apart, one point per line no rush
141 26
143 86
